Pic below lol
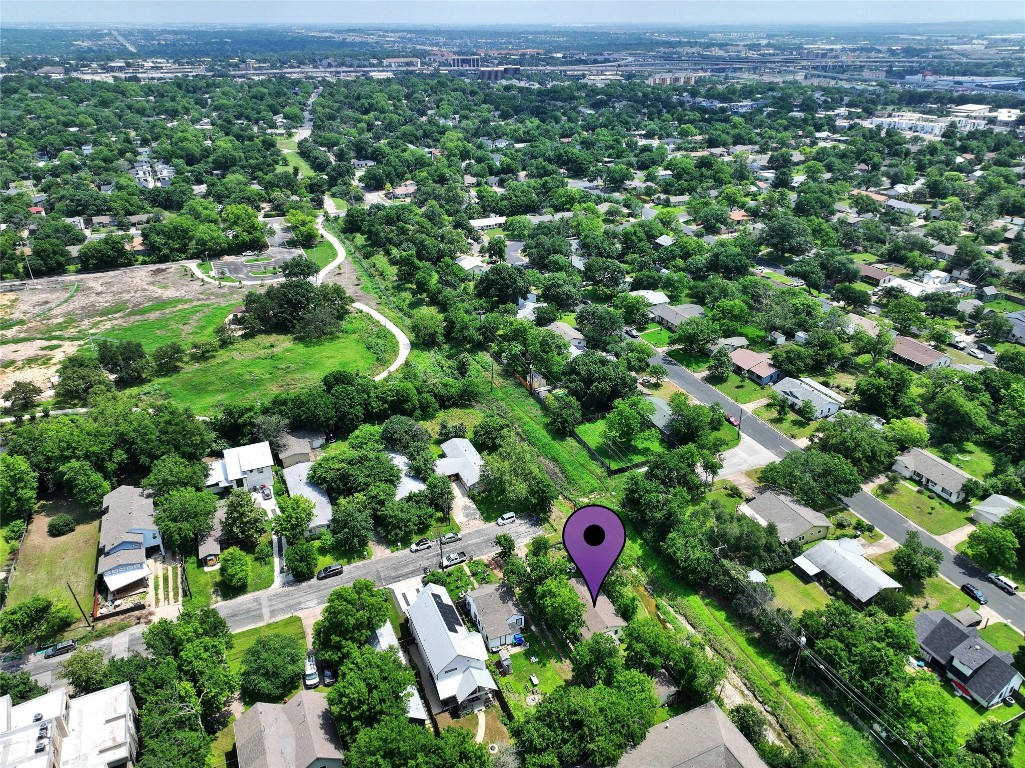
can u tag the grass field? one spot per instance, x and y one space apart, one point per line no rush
264 365
794 594
1002 637
972 459
550 670
321 254
658 337
646 445
1003 305
692 361
197 322
222 749
46 563
740 389
934 593
293 160
205 585
793 426
247 638
935 515
971 714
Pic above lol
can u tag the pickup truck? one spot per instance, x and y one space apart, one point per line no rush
457 558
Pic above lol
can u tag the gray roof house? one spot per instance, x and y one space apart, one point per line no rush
671 316
974 667
128 535
452 660
383 639
794 521
662 418
461 462
297 734
841 563
933 473
1017 325
497 614
701 738
600 617
298 483
298 445
796 391
994 508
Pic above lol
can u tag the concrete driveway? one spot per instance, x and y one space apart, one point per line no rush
750 454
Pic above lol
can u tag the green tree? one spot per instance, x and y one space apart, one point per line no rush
514 479
22 396
627 420
396 741
564 413
18 487
350 616
929 716
788 236
125 359
301 560
750 721
721 364
60 525
85 669
243 520
599 325
559 605
596 660
34 621
649 647
915 561
992 546
295 513
815 477
83 483
271 669
20 686
171 472
887 392
907 433
168 358
372 686
352 525
696 335
857 439
184 514
235 567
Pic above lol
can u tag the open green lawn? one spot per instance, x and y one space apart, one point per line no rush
197 322
550 670
321 254
222 749
1003 637
267 364
206 585
934 515
247 638
728 436
646 445
971 715
292 160
692 361
795 594
935 593
46 564
1003 305
972 459
793 426
326 556
740 389
658 337
1018 757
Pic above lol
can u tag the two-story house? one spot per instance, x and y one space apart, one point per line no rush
452 660
128 536
248 466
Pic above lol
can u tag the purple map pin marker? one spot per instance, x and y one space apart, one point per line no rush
594 536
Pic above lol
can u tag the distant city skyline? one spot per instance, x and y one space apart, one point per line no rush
581 13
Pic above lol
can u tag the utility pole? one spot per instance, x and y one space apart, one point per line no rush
29 266
73 595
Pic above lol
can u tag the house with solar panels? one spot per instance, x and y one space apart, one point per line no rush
452 660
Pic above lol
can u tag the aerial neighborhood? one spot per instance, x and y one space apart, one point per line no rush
314 337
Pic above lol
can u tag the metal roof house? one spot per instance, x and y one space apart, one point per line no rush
840 562
975 667
796 391
452 660
933 473
128 535
461 462
383 639
794 521
298 483
497 614
297 734
994 508
702 738
248 466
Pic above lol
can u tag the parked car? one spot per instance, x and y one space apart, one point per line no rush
959 345
974 352
974 592
797 283
329 571
632 333
420 545
986 348
329 676
732 419
266 492
450 538
311 677
506 519
456 558
1002 583
64 646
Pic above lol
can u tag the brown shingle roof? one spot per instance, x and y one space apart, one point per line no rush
915 351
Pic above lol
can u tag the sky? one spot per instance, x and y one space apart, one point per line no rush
605 13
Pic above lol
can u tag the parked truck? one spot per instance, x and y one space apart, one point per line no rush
456 558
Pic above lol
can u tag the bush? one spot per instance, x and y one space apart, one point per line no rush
235 567
60 525
263 552
842 521
301 560
15 531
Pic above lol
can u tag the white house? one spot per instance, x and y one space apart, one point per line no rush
600 617
128 536
452 660
461 462
654 298
796 391
248 466
475 265
577 344
933 473
497 614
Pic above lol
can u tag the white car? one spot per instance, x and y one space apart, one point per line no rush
421 545
506 519
977 353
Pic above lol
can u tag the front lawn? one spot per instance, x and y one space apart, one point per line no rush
793 426
1003 637
740 389
934 515
247 638
222 748
657 337
646 445
935 593
692 361
46 564
972 459
795 594
206 585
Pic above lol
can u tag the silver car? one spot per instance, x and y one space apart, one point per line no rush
507 519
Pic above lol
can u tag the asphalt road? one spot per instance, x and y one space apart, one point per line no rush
955 566
278 603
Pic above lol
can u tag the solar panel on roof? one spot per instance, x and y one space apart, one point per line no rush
448 614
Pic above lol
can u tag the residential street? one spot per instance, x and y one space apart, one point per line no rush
277 603
955 567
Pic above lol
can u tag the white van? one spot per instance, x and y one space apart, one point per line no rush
311 676
1003 583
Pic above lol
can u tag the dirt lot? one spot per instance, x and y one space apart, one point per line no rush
48 320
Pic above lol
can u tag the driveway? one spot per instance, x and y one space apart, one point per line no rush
465 511
750 454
